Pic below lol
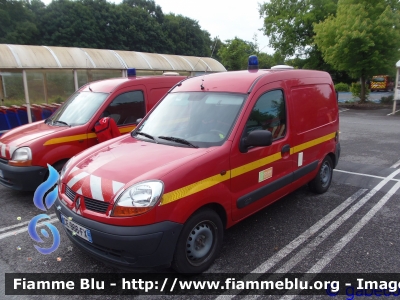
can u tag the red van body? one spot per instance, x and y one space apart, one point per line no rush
215 150
26 150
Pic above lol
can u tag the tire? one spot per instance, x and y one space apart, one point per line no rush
58 166
322 181
199 242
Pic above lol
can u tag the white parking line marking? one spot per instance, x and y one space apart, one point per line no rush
392 113
273 260
363 174
396 165
346 109
18 231
331 254
21 224
328 231
277 257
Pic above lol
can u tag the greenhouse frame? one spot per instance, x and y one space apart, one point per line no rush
34 75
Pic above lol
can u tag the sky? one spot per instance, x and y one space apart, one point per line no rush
226 19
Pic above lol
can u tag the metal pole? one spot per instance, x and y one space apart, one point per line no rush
28 105
76 80
46 97
396 94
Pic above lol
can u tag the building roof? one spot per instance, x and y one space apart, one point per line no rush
49 57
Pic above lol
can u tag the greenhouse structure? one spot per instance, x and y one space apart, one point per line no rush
35 75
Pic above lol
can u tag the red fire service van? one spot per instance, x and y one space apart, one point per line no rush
215 150
381 83
26 150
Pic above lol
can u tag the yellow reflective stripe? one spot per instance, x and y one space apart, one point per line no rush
194 188
255 164
213 180
66 139
83 136
127 129
313 143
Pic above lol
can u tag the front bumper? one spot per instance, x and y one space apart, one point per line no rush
149 246
21 178
337 154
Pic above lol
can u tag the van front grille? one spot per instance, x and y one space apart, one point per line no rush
96 205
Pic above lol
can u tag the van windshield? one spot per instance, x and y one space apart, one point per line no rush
78 109
378 79
192 119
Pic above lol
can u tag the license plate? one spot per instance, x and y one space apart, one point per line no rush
77 229
1 174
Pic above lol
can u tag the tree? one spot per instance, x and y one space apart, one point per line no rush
234 55
363 39
17 23
150 6
289 23
185 36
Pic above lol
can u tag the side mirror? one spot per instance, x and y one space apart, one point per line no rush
256 138
138 121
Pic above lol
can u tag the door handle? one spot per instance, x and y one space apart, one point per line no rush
285 148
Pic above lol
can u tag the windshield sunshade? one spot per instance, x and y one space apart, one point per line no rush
79 109
193 119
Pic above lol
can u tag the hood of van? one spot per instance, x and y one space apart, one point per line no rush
24 135
100 174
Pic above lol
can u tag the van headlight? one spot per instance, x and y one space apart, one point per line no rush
138 199
21 157
65 167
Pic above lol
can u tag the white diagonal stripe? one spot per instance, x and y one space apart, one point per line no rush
12 149
76 178
24 229
3 150
116 186
95 188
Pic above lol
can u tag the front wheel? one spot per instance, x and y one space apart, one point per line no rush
321 183
199 242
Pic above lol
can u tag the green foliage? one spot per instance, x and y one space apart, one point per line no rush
387 100
289 23
342 87
355 90
363 39
57 99
17 23
234 55
185 36
135 25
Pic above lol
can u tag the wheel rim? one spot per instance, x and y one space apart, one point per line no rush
199 244
325 174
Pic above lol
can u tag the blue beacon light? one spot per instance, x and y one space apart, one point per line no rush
131 72
253 62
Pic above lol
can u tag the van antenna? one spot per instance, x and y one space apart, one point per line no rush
215 44
212 52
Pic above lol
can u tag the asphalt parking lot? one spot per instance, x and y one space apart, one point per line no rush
353 228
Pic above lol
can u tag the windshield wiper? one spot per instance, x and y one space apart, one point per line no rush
62 122
178 140
146 135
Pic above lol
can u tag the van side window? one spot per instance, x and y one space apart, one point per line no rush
127 108
269 113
